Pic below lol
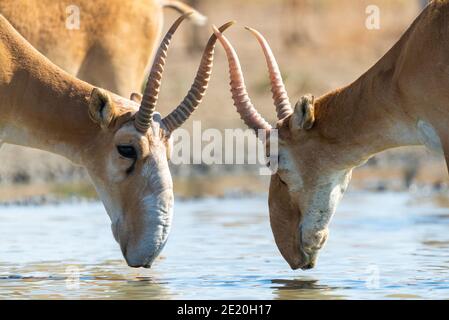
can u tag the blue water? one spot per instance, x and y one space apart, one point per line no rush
382 245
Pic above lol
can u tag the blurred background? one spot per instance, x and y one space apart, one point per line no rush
320 45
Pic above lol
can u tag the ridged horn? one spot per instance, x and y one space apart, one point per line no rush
196 93
144 116
240 95
280 96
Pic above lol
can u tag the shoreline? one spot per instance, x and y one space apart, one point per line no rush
223 188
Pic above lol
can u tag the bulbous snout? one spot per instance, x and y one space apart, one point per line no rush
310 244
137 257
140 249
301 248
298 243
143 233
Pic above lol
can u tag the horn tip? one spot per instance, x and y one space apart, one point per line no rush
182 18
215 29
226 26
253 31
258 35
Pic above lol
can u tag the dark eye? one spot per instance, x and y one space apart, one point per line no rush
128 152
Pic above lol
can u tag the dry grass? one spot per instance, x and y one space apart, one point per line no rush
337 51
220 186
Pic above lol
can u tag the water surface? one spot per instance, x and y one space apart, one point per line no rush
382 245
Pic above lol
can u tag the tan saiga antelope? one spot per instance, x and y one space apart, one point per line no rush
403 100
124 144
92 40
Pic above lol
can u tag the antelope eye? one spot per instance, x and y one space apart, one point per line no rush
128 152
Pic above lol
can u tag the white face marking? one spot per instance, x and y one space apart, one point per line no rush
288 171
115 173
155 207
318 204
157 210
158 220
429 137
324 201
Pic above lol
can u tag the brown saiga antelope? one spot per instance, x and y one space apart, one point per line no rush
123 144
108 43
403 100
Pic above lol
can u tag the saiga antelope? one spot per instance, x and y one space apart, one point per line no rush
111 44
123 144
403 100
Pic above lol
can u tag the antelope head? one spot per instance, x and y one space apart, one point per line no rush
308 184
130 170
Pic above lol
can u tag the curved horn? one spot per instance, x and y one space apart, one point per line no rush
151 94
196 93
240 95
280 96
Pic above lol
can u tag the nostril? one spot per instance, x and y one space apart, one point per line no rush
313 240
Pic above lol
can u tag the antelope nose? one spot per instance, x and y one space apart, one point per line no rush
137 260
138 257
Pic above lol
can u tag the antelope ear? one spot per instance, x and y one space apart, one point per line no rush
101 108
304 115
136 97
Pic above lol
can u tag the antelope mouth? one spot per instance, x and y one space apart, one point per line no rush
309 261
296 255
305 258
305 261
146 263
136 258
302 260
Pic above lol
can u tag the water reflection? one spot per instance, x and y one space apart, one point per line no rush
302 289
381 246
111 281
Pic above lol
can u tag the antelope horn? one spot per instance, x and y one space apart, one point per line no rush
144 116
196 93
242 101
280 96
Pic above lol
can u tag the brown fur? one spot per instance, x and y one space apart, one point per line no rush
44 107
112 48
380 110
